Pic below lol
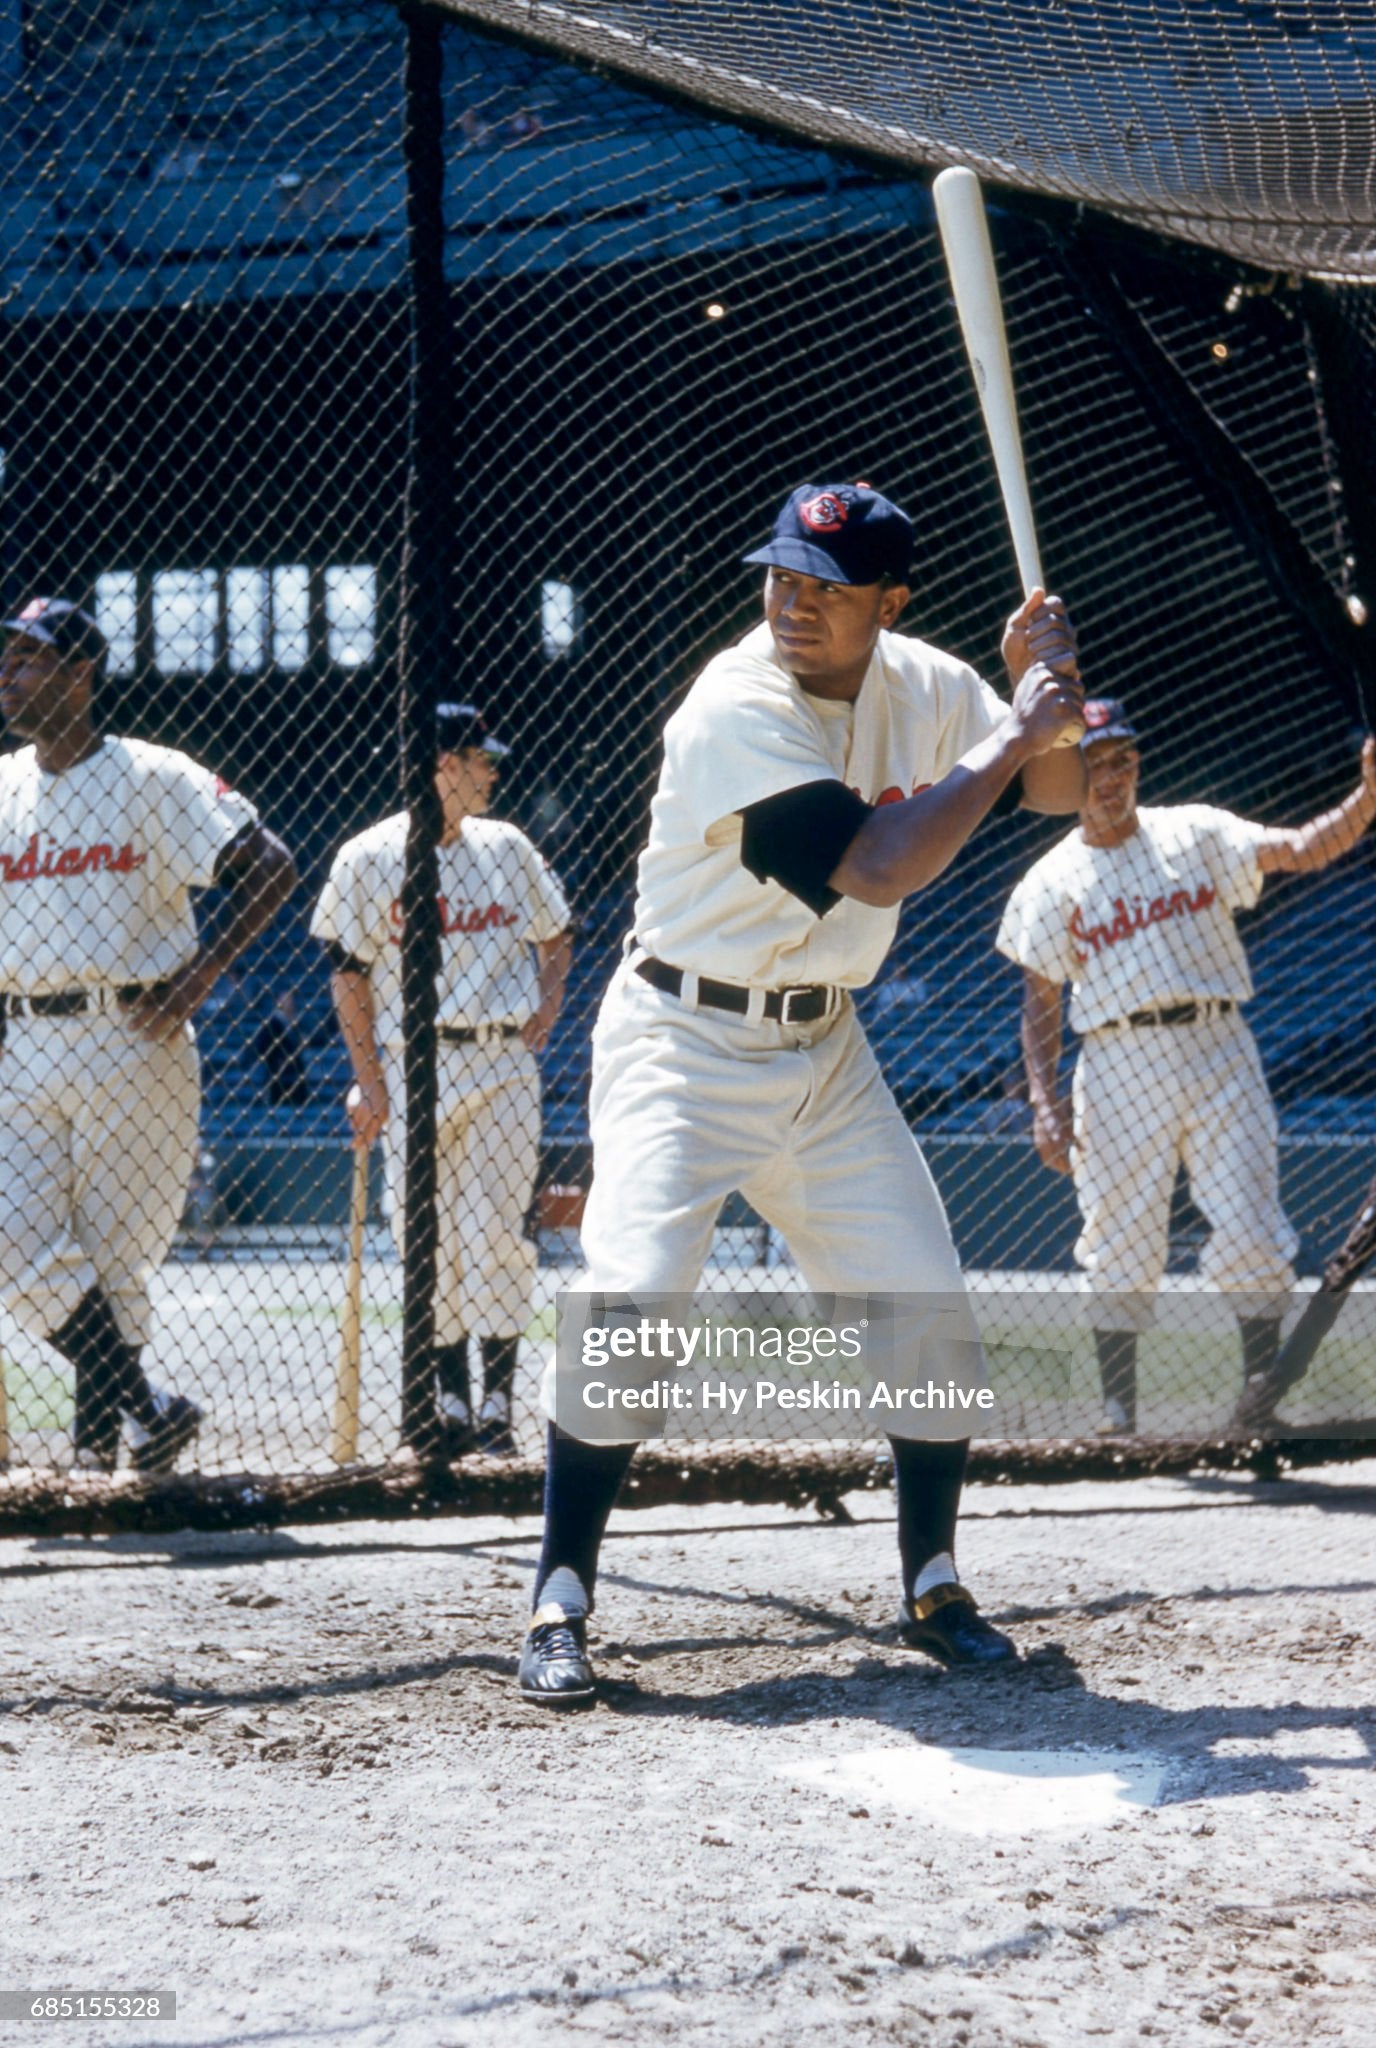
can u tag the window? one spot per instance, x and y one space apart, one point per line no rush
351 614
185 616
117 594
561 617
246 619
291 615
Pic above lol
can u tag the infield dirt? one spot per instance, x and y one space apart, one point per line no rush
286 1776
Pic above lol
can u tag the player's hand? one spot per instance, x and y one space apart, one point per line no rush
1040 631
536 1029
161 1012
367 1109
1045 707
1052 1131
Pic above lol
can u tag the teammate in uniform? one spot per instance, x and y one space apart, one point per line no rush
1135 909
101 842
506 956
816 774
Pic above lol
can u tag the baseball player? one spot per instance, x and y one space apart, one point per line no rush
816 774
102 841
506 952
1135 910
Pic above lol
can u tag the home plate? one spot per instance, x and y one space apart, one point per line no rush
993 1791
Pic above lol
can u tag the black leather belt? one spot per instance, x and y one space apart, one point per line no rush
781 1005
72 1002
1177 1013
476 1034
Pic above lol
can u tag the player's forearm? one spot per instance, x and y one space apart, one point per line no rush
1328 837
352 995
903 847
553 959
1054 783
1041 1041
260 883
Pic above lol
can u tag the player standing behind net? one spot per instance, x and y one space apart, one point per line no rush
817 774
506 953
1135 909
101 842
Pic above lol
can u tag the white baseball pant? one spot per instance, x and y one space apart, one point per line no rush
690 1104
1146 1098
97 1145
487 1156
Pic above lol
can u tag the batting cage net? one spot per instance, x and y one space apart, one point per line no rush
387 388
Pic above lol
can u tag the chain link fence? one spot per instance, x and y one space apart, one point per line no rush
678 284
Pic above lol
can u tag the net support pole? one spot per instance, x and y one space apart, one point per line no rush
424 654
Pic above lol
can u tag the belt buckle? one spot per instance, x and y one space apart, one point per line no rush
786 1005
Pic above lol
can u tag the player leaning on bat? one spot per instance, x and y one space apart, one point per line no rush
817 773
506 953
1135 911
101 842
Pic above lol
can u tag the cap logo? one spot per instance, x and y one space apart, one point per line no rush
34 610
1097 712
824 514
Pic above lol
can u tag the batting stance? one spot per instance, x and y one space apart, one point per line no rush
102 841
1135 910
506 952
817 773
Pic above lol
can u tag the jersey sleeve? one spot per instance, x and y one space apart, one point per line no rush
1035 931
200 815
798 837
970 710
734 742
547 908
345 913
1231 845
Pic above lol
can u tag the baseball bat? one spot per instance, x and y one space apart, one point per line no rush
344 1444
975 287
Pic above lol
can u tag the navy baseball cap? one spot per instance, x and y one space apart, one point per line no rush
458 726
841 533
1106 719
59 623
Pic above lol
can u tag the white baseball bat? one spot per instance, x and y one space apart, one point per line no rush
975 285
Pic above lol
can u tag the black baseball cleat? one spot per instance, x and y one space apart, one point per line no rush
455 1437
177 1425
555 1671
948 1625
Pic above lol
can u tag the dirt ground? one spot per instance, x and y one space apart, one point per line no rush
286 1776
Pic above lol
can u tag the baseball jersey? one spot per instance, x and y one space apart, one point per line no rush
747 731
1140 925
498 897
97 862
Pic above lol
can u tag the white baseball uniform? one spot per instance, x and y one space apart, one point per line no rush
1136 929
98 1124
498 899
690 1102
